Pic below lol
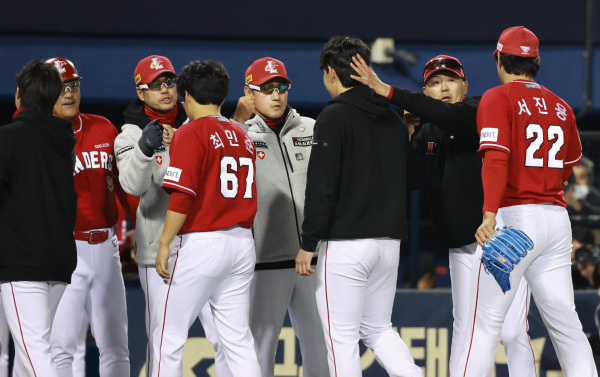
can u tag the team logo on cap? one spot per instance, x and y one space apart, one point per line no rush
271 67
156 64
525 50
499 46
60 65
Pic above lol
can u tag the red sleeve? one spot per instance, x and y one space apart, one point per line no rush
493 122
187 156
574 154
180 202
128 202
494 176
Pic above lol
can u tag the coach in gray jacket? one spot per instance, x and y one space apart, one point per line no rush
283 142
142 151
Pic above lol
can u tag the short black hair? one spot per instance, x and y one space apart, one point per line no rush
520 65
206 81
39 86
337 54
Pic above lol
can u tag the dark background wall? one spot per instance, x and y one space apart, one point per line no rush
105 39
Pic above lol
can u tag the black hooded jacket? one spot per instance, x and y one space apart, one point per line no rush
356 180
38 202
447 163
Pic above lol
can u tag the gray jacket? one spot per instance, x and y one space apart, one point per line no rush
143 176
281 165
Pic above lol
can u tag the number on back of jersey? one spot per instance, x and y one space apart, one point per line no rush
231 171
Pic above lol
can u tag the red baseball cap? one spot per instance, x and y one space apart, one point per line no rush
265 69
150 67
518 41
65 67
443 62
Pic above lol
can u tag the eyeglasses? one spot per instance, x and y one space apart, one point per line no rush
73 86
270 87
442 63
158 85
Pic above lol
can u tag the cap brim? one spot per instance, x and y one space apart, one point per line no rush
265 79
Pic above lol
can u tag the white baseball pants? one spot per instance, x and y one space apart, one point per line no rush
356 286
98 291
514 337
214 267
30 307
151 284
547 269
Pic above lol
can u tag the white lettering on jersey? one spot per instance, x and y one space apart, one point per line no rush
232 137
488 134
173 174
93 160
523 107
78 165
561 111
216 140
541 105
105 145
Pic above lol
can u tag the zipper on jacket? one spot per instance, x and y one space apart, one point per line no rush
284 153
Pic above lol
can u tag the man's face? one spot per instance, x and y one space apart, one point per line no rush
164 98
269 105
67 105
446 86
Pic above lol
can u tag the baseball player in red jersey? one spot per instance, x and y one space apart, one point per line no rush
529 143
142 151
212 207
97 288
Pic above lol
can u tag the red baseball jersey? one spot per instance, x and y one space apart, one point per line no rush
538 130
95 172
213 160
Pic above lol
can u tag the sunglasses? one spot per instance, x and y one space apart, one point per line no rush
442 63
270 87
158 85
73 87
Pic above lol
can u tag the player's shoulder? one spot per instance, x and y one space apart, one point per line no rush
98 122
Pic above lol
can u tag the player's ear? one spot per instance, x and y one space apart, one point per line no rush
247 90
140 94
465 87
17 98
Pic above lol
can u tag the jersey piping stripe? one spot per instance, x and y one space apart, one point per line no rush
21 329
527 326
474 319
575 160
148 360
328 319
80 125
493 146
181 187
162 333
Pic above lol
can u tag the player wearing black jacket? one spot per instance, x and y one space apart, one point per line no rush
356 206
448 141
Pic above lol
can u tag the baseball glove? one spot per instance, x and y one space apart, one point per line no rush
503 251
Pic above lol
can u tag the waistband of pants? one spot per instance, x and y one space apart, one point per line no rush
96 236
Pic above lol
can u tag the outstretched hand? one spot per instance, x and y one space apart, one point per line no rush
366 75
